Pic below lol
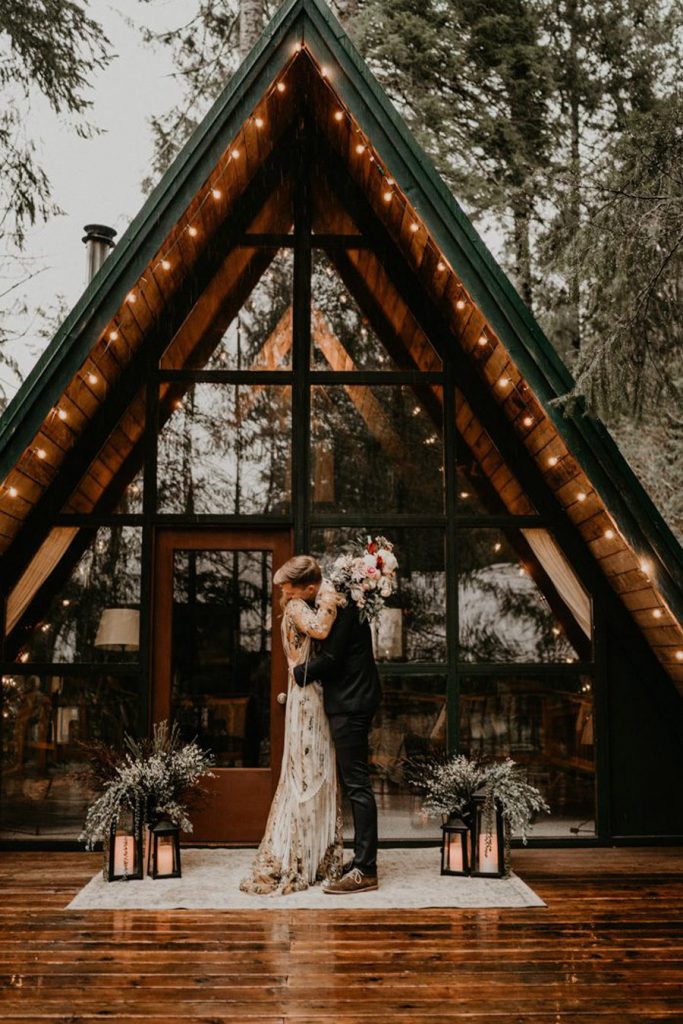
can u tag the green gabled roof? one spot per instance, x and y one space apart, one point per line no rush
311 22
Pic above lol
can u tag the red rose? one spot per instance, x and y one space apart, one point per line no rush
380 563
372 547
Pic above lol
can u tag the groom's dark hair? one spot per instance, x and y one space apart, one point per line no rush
301 571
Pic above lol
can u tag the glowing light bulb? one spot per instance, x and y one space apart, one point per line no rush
416 410
113 335
497 546
178 404
414 227
131 297
12 491
679 655
216 193
259 122
339 115
464 494
609 534
192 231
390 181
387 197
165 265
235 154
92 378
503 382
62 413
281 87
41 453
553 460
441 266
23 656
581 496
483 340
527 421
324 72
460 304
657 613
296 48
66 602
556 630
360 148
645 566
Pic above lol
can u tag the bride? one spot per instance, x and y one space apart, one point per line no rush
303 838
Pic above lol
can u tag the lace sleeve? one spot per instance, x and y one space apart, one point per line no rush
315 622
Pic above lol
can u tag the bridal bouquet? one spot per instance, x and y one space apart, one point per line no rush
368 575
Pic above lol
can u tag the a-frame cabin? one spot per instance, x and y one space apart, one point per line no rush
299 339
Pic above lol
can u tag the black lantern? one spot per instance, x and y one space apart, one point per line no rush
488 839
455 847
123 859
163 852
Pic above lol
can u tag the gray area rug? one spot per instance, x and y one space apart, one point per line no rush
409 878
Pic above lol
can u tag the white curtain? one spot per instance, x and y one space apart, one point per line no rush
39 568
562 575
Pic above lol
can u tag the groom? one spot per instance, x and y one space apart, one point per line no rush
345 665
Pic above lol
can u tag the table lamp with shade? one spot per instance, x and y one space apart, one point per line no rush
119 630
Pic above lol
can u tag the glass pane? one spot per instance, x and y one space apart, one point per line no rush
410 723
412 627
545 724
377 448
94 614
484 483
509 607
45 717
221 653
341 336
259 337
225 448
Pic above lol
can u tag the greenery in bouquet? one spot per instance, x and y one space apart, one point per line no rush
449 785
367 575
152 779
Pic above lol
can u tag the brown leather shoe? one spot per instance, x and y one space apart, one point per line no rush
354 881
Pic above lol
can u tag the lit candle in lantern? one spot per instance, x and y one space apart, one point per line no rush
455 854
488 859
165 859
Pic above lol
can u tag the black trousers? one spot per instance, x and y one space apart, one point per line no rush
350 735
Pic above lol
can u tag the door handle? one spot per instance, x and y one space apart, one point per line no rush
282 698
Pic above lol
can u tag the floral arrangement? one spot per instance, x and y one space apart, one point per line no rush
367 575
449 786
152 779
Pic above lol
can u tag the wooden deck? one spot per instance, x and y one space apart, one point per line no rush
608 948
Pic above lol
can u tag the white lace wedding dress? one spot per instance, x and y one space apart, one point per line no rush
303 838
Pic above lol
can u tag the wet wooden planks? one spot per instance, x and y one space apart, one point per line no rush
608 947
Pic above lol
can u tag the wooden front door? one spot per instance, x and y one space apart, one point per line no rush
219 666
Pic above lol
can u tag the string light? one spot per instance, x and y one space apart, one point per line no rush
609 534
192 231
280 87
497 546
464 494
324 72
657 613
503 382
339 115
553 460
113 335
235 154
12 491
581 496
166 264
387 196
414 227
390 181
483 340
360 148
679 655
131 297
92 378
62 413
460 304
527 421
41 453
441 266
645 566
216 193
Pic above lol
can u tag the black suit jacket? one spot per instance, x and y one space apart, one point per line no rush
345 665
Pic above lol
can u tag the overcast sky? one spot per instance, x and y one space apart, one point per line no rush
98 180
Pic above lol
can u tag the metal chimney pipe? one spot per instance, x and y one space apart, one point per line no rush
99 239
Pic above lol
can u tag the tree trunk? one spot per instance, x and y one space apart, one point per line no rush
521 215
251 24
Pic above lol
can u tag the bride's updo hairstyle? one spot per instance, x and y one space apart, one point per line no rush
300 571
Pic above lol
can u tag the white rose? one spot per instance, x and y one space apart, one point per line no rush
370 560
389 560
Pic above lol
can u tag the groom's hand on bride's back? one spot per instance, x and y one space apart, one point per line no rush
300 675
